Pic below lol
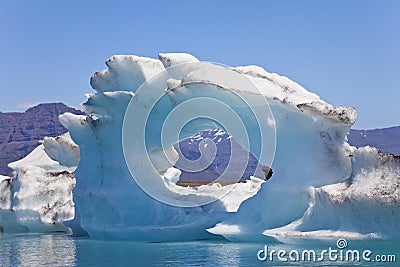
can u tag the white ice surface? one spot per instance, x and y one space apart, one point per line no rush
232 195
38 198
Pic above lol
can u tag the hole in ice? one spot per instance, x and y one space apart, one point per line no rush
204 159
209 167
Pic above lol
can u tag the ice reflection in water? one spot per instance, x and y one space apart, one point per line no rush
37 250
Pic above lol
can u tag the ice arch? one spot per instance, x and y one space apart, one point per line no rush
229 100
311 152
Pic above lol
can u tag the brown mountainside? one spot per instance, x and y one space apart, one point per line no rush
20 133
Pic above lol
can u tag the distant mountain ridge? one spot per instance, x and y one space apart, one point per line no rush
20 132
386 139
243 164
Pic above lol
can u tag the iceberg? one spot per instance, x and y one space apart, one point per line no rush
38 198
365 206
129 163
143 107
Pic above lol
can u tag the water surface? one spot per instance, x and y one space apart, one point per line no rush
64 250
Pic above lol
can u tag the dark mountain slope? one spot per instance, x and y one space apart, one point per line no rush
387 139
20 133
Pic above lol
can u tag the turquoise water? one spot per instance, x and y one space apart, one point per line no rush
63 250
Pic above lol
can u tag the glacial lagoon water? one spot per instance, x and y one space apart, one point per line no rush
64 250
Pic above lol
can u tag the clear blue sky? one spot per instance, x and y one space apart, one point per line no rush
348 52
